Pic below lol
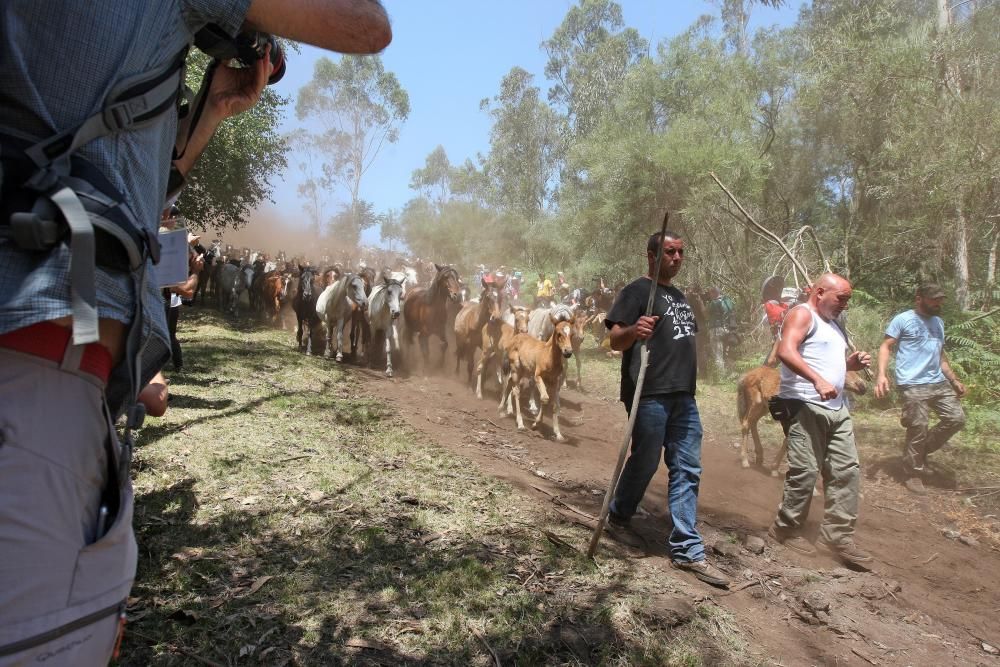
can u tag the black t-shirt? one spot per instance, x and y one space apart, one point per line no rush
672 359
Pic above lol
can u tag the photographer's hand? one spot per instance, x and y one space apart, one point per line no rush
234 90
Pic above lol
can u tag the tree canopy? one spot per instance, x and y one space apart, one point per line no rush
236 172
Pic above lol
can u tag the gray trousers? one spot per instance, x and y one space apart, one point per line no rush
918 401
821 442
62 585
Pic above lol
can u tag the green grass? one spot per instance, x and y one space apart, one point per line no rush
285 517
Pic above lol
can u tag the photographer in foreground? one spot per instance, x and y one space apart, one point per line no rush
87 140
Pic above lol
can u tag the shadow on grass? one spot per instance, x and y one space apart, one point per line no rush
154 432
333 589
185 401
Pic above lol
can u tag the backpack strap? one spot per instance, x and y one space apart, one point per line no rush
50 183
134 103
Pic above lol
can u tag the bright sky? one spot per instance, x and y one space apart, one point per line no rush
449 55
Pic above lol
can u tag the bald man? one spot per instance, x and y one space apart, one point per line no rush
814 362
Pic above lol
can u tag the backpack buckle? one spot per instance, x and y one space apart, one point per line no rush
118 116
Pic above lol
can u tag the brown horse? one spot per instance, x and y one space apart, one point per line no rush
753 391
425 310
497 337
271 289
470 321
580 321
538 363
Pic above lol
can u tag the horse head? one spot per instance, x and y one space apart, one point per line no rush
356 290
306 277
521 319
447 277
286 285
393 292
489 301
563 335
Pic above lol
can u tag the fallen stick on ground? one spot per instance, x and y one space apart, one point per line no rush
480 637
893 509
173 648
864 657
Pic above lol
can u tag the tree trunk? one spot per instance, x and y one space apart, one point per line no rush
950 80
961 259
991 269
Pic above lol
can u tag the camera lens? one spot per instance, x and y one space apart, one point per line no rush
277 61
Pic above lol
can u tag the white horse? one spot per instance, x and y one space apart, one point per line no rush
411 279
383 312
336 303
540 323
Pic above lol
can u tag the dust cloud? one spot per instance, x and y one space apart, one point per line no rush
272 232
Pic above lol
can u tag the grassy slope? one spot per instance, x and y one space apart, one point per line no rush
285 518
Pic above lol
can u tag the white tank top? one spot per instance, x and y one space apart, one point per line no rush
824 350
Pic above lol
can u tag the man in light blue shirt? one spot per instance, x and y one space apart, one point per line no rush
925 381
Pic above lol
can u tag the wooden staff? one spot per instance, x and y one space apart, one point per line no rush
627 439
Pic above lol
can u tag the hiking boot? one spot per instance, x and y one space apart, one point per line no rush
703 570
797 543
916 486
849 554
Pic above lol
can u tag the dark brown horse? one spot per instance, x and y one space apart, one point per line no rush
304 305
425 310
470 321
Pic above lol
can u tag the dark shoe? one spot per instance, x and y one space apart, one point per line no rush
797 543
849 554
618 520
703 570
915 485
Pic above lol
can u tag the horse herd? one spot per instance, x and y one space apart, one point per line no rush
369 316
527 349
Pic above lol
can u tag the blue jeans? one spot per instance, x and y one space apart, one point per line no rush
670 423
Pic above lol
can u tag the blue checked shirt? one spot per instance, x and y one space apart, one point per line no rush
58 61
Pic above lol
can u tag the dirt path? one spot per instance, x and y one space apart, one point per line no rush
929 601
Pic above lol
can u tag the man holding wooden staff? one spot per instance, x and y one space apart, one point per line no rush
667 416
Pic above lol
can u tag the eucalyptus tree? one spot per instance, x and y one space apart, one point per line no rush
433 180
357 107
522 164
589 55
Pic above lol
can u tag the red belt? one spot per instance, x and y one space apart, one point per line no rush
52 342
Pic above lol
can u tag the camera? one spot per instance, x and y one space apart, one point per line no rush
245 48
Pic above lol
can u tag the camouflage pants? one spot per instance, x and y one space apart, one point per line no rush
821 442
918 401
